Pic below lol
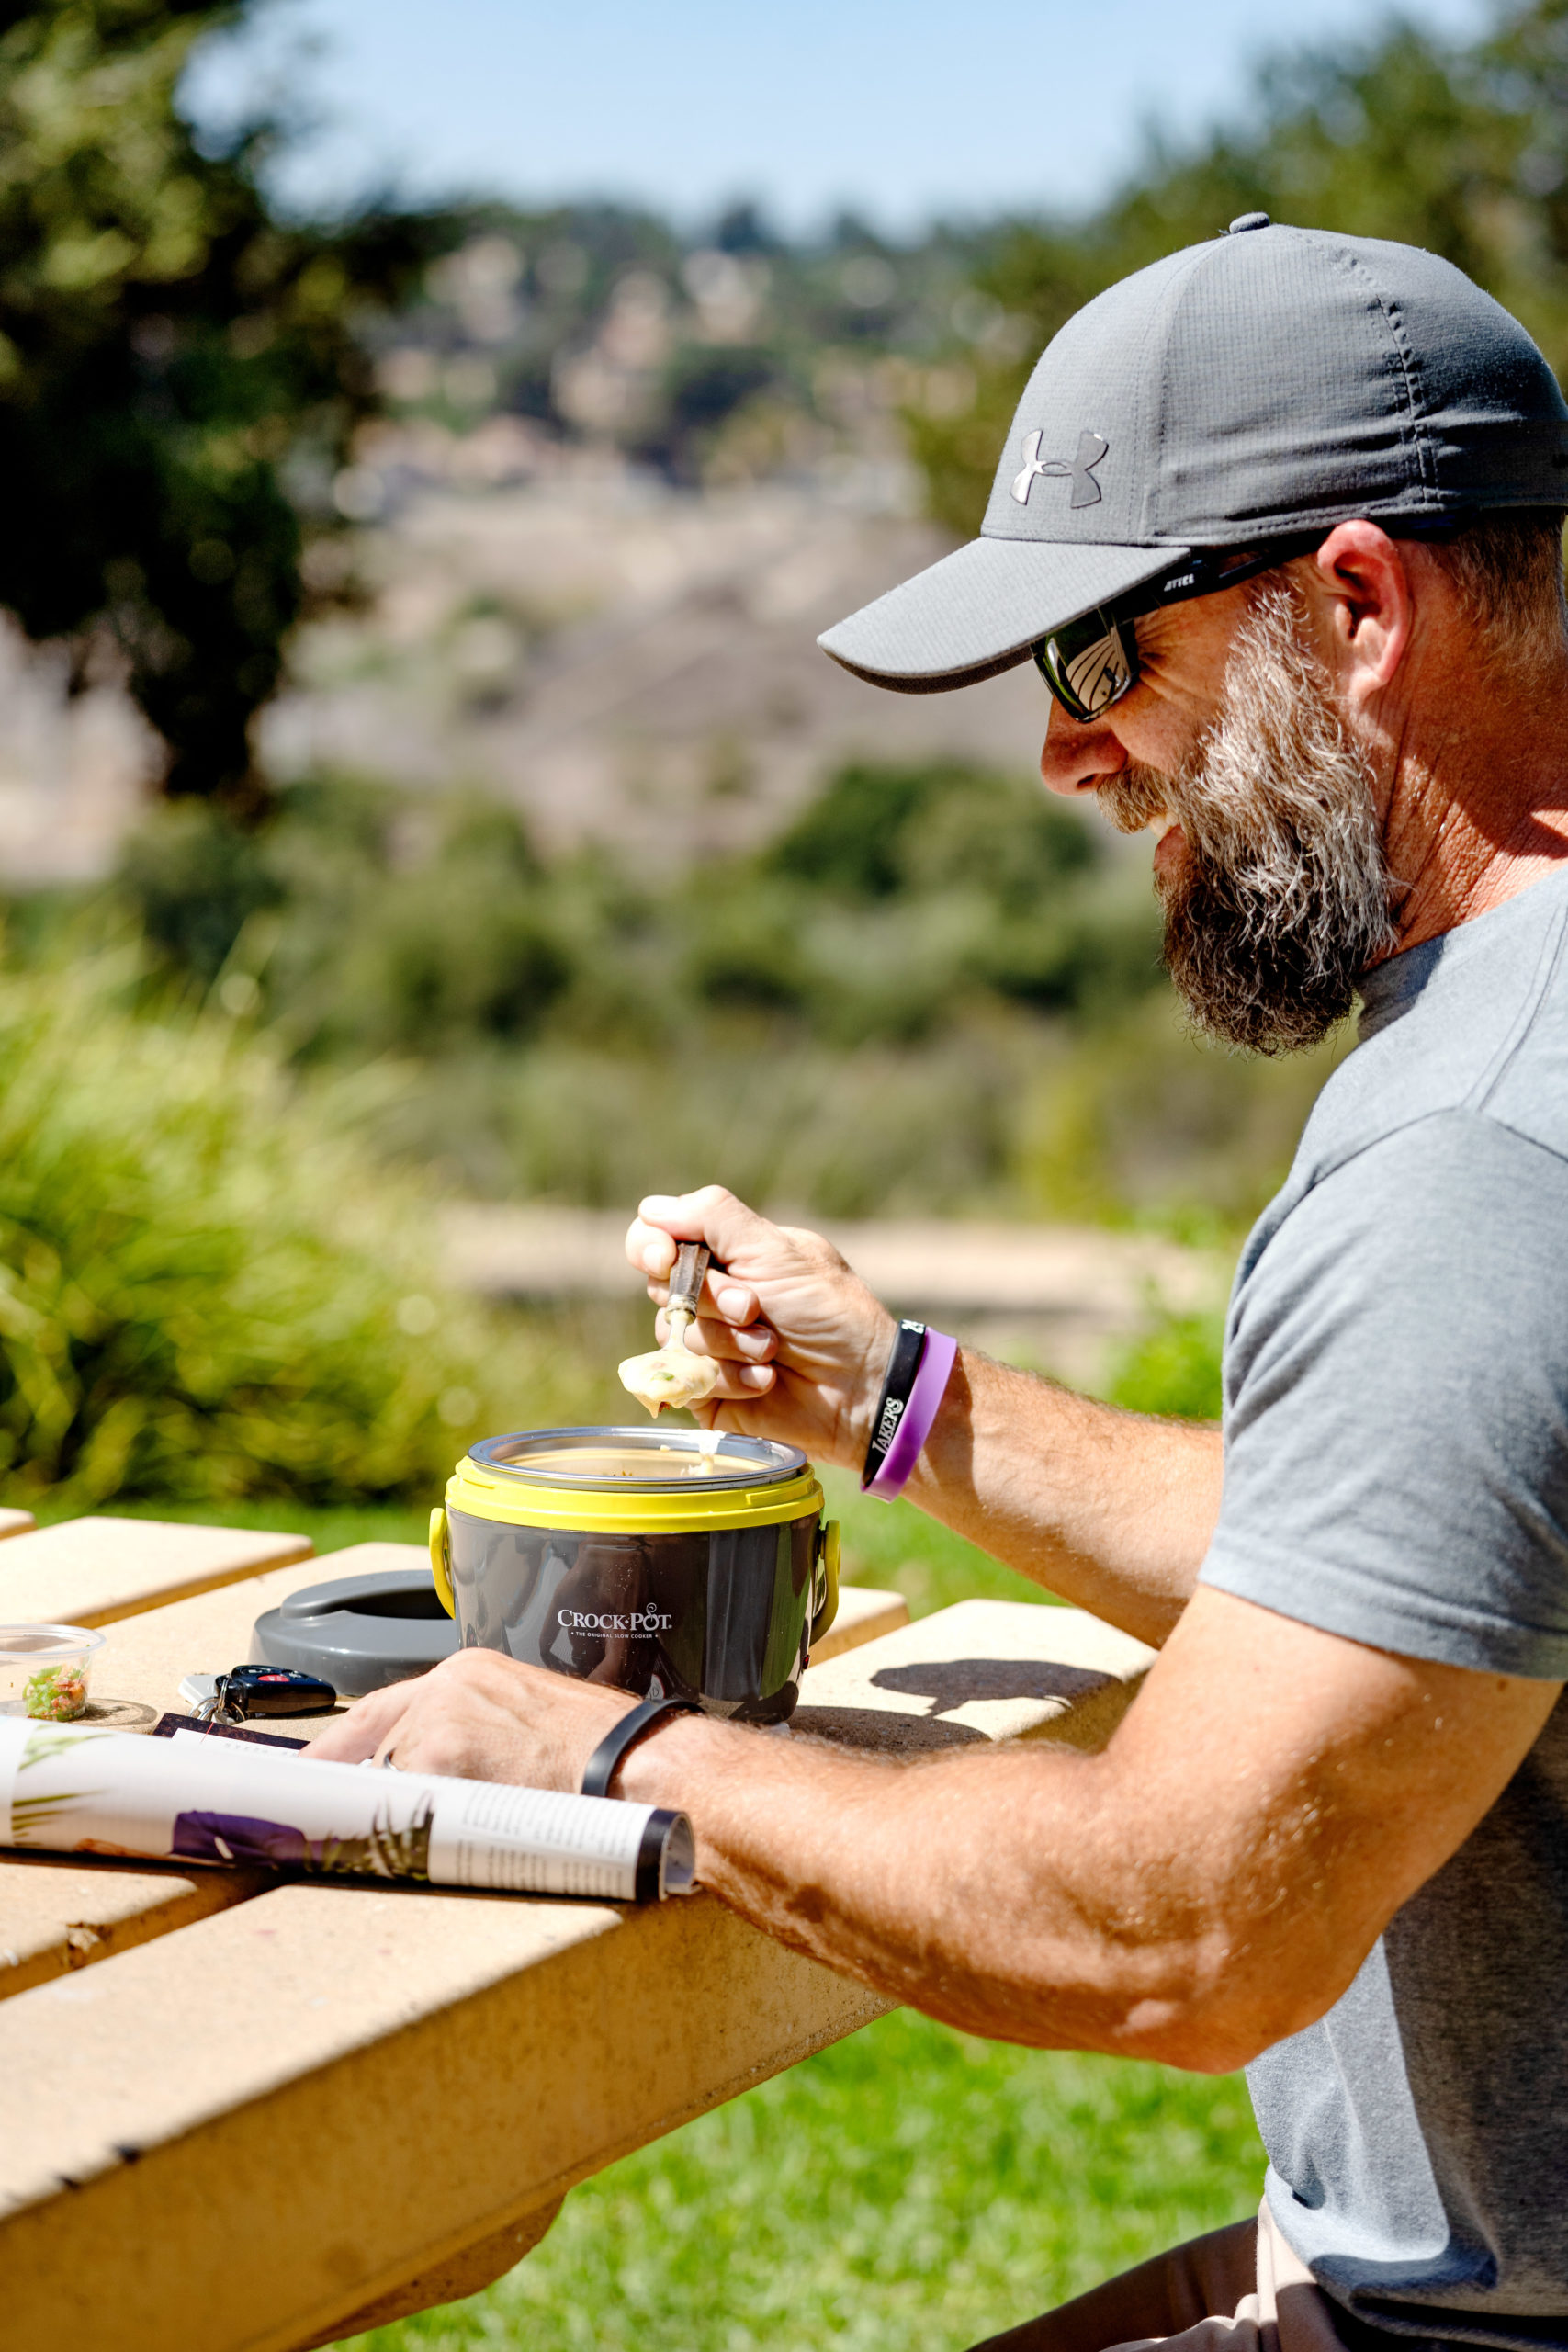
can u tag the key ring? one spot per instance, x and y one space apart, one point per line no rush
218 1707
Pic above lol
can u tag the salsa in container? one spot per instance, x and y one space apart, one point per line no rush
46 1671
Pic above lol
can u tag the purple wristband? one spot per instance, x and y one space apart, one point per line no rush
930 1386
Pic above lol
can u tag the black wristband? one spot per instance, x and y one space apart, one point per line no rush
600 1769
903 1365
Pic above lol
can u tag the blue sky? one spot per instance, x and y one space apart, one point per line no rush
902 109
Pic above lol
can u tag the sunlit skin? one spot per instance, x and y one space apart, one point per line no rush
1212 1881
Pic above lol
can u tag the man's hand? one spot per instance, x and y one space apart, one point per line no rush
802 1341
479 1716
1110 1509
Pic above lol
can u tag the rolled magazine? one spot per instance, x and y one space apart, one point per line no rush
77 1790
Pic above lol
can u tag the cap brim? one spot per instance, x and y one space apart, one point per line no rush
978 611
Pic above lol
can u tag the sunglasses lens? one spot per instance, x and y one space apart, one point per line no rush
1089 664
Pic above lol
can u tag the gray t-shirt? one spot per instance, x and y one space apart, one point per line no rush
1396 1470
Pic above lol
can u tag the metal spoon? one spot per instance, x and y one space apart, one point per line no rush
672 1375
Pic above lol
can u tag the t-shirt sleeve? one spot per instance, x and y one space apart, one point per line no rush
1396 1403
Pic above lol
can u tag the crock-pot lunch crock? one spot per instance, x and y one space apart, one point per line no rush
663 1560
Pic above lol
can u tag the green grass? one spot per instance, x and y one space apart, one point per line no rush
1174 1368
911 2186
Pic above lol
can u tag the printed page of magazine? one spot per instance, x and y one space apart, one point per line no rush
67 1789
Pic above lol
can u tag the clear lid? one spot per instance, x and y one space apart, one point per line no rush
44 1643
651 1459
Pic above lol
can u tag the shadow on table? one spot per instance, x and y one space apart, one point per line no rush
949 1684
952 1683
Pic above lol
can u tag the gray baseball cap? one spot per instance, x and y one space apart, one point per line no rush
1265 383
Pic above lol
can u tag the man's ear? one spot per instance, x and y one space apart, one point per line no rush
1364 586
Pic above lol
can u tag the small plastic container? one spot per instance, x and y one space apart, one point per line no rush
45 1671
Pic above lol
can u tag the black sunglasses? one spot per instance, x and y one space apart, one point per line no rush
1093 661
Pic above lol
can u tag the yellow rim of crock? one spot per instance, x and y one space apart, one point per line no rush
597 1511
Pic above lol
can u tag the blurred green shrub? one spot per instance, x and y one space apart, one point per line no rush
746 949
371 926
873 1130
197 879
1138 1118
1175 1369
886 831
439 959
206 1290
899 894
902 892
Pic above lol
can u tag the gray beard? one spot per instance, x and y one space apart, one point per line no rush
1283 896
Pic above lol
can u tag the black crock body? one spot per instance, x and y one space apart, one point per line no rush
722 1611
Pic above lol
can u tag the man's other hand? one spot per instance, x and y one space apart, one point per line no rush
802 1342
480 1716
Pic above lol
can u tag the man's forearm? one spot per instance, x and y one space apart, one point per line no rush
1110 1509
1207 1885
901 1878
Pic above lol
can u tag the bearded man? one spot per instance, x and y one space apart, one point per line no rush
1280 521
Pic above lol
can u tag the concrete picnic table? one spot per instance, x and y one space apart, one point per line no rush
252 2114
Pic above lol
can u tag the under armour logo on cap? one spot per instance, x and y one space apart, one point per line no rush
1085 490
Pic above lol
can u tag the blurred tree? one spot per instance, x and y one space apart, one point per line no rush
180 371
1462 150
703 385
876 831
744 228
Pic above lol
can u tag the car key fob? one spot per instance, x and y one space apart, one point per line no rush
247 1692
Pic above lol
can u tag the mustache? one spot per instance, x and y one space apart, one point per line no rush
1135 796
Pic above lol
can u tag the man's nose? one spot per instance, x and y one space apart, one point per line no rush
1077 753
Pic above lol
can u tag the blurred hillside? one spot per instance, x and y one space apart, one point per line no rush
621 483
626 662
554 502
711 359
615 486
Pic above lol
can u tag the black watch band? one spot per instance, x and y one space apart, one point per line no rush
600 1769
903 1364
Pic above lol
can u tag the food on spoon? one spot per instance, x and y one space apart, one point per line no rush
670 1377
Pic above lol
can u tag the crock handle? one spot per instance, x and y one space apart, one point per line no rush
440 1564
827 1552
